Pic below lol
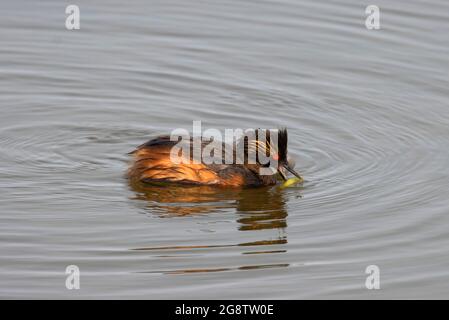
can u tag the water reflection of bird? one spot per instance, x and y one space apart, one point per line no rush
260 208
152 162
256 209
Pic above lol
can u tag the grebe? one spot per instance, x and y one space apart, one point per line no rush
152 163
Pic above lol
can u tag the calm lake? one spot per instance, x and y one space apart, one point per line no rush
368 119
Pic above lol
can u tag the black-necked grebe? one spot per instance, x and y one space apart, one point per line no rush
153 164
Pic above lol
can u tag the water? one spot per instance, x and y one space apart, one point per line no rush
367 112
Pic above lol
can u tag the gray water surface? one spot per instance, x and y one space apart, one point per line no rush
368 118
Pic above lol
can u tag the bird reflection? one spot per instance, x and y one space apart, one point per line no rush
257 208
262 209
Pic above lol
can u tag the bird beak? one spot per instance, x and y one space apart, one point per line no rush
282 172
286 166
